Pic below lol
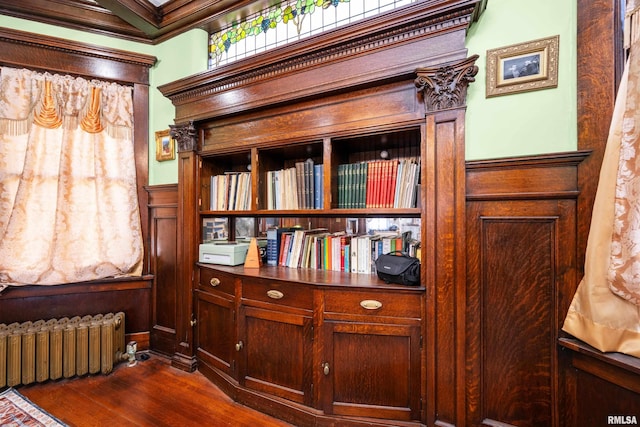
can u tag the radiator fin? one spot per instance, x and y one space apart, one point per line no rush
60 348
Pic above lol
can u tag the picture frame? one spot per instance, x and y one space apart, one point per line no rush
165 146
523 67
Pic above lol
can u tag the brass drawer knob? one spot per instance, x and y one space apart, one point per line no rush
214 281
272 293
370 304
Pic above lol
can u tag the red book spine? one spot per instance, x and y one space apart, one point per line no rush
284 248
378 185
369 202
386 173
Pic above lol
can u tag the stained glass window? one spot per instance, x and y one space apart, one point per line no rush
289 21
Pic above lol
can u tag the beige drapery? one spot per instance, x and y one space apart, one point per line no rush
605 312
68 201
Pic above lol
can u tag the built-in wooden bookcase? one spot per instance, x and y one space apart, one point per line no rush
388 167
313 345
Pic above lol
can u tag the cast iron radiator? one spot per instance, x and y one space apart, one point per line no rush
60 348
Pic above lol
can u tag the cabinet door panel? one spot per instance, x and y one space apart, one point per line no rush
277 353
215 331
373 370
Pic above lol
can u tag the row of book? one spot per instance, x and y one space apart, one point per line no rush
319 249
231 191
373 184
379 184
298 187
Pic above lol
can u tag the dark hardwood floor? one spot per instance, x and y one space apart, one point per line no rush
152 393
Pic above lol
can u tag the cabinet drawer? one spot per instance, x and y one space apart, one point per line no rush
215 280
273 292
373 303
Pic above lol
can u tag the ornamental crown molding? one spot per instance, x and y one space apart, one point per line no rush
422 20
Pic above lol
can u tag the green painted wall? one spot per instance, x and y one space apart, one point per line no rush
537 122
177 58
511 125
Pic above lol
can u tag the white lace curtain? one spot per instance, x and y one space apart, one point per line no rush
68 201
605 312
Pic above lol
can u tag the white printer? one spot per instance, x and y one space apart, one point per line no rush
223 253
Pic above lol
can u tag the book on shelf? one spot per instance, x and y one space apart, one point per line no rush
278 244
297 187
318 186
285 244
317 248
379 184
272 246
308 184
230 191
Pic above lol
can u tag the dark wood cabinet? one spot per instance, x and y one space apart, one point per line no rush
371 354
275 339
345 352
215 314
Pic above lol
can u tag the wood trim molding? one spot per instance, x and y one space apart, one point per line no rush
358 54
617 368
73 57
547 176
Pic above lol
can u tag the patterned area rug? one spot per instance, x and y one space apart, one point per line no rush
17 410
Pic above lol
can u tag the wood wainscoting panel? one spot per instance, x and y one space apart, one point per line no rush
521 276
163 234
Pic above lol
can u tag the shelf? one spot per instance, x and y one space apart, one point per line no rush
310 276
371 212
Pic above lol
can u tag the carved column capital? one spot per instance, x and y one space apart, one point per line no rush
445 86
185 135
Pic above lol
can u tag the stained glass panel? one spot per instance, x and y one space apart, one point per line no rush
289 21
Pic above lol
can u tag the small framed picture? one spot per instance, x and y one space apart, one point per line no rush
523 67
165 146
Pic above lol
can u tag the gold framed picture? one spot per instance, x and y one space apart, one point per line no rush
523 67
165 146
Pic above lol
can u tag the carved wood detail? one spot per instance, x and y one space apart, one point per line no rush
445 87
186 135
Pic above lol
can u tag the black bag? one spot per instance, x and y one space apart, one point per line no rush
401 269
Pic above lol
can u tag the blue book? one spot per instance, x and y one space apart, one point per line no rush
272 247
318 187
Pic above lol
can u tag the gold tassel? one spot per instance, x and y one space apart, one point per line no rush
91 122
48 116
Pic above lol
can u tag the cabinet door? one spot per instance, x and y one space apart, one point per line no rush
276 353
215 331
371 370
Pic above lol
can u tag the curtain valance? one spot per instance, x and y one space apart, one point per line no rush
51 101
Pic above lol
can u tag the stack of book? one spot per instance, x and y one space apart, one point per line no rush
298 187
322 250
231 191
379 184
